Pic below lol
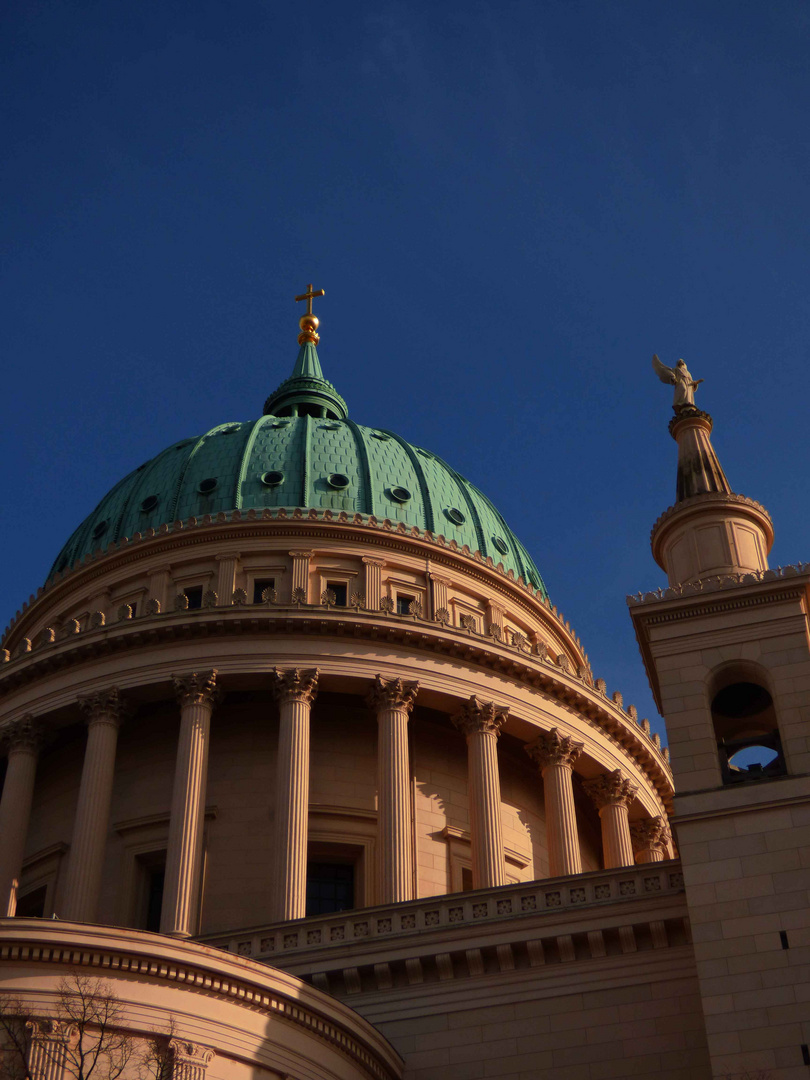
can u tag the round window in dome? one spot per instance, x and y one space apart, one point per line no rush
330 427
149 503
455 515
205 487
400 494
100 529
338 480
272 478
501 545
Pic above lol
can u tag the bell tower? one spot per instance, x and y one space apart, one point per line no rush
727 654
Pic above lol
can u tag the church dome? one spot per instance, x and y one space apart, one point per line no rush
304 452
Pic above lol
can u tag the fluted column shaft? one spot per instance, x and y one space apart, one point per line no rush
23 740
295 691
197 696
555 754
393 701
651 839
481 723
612 795
104 713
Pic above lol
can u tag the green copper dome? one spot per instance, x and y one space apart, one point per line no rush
304 452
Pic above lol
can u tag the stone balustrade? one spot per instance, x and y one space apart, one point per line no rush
279 942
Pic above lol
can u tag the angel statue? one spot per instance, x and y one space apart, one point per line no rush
679 376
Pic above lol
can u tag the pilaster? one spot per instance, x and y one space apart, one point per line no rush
226 575
300 571
373 583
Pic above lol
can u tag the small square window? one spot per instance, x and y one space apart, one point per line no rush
259 585
194 597
340 590
403 603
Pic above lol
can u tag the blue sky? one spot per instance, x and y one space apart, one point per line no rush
511 206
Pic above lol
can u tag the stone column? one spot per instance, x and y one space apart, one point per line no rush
612 794
555 755
300 571
226 576
197 695
651 839
104 713
49 1045
23 739
393 701
373 584
295 690
481 723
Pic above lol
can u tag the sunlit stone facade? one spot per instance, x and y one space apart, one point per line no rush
286 759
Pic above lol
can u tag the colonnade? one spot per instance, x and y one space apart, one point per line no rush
295 690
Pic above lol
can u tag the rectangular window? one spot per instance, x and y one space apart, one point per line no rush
466 879
32 905
403 603
194 597
330 887
151 875
259 585
340 590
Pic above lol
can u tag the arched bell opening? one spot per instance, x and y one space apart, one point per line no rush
747 731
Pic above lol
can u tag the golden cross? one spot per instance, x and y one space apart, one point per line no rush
308 296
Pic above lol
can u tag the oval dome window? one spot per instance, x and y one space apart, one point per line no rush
272 478
400 494
501 545
149 503
207 486
455 515
380 435
338 480
99 530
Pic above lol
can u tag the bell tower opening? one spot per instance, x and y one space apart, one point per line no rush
747 733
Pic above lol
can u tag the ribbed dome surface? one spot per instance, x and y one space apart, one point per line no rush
308 462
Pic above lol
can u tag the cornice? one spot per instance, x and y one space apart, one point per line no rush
198 968
569 689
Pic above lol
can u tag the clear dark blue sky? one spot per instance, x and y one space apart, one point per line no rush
510 205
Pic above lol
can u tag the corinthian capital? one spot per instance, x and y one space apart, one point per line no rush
392 694
651 834
481 716
295 684
105 707
552 748
198 688
23 734
190 1060
610 789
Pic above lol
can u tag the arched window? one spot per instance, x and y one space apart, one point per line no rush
747 733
